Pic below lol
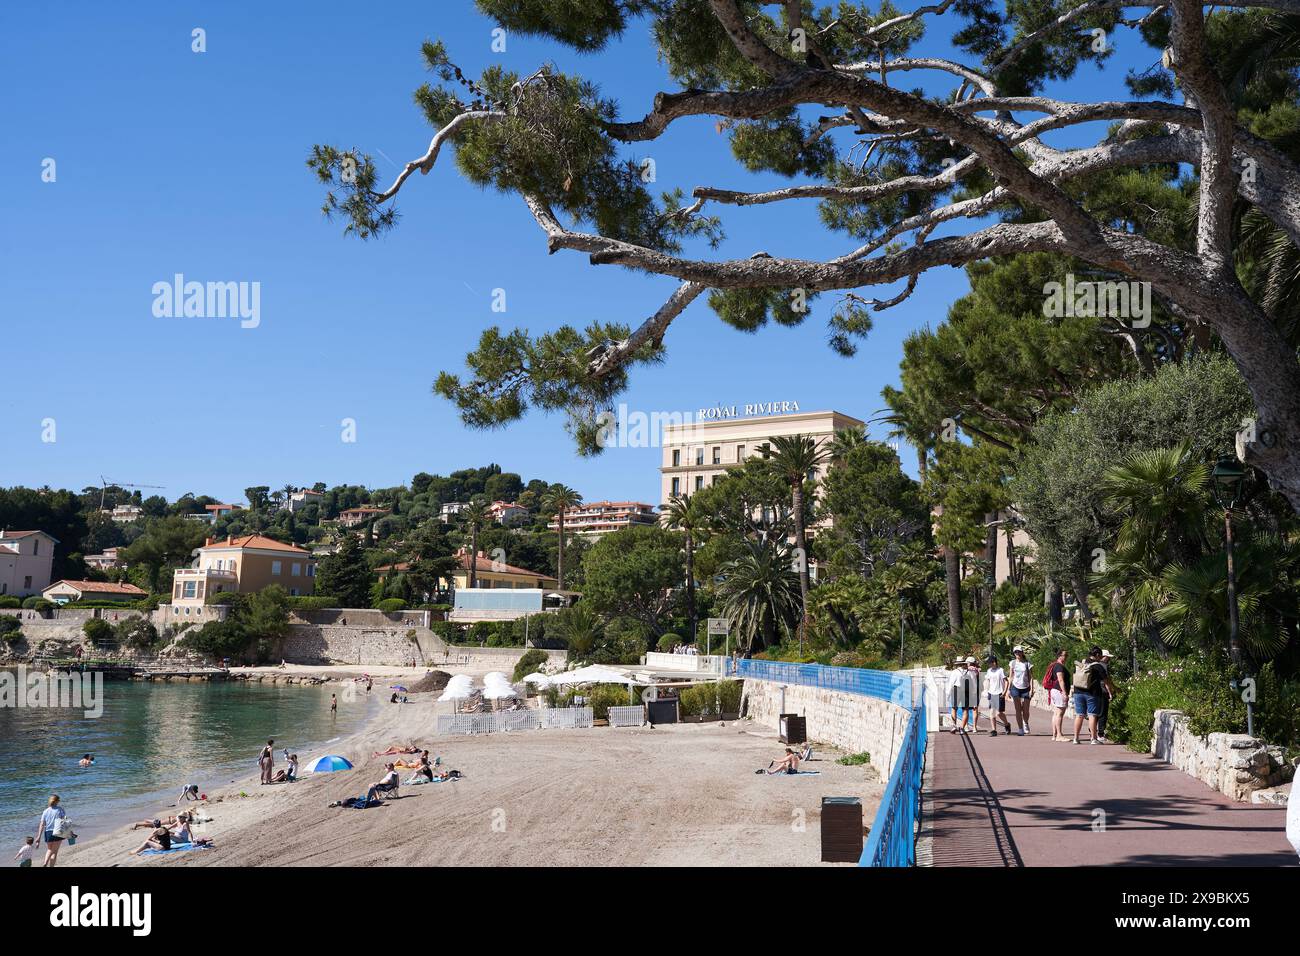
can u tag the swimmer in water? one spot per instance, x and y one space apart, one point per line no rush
86 761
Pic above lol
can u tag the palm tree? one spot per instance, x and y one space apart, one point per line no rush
760 593
556 501
580 627
845 440
796 458
682 514
473 519
910 425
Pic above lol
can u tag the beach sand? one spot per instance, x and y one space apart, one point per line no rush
684 794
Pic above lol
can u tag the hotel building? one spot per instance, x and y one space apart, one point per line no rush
596 518
696 454
245 564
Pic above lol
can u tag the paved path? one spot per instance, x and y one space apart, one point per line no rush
1025 801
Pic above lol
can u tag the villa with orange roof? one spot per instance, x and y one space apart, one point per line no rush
244 564
26 562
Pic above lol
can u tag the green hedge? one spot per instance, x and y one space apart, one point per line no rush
531 660
9 601
601 697
715 697
35 603
313 602
391 605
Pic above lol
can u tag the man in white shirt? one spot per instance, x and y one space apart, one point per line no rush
995 689
963 694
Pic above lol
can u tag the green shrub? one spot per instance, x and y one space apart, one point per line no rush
715 697
11 630
312 602
601 697
667 643
9 601
35 603
136 632
531 660
854 760
98 631
391 605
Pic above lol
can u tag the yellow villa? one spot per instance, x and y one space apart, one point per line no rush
245 564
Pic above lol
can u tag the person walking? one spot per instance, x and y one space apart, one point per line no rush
267 761
1055 682
995 690
1090 681
973 670
52 829
334 705
1022 688
1103 700
962 694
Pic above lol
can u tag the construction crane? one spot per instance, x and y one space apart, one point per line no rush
105 482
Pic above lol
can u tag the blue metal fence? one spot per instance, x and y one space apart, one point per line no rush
892 841
885 685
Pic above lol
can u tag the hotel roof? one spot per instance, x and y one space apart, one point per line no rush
100 587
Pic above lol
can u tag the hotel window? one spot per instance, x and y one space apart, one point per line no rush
677 486
296 570
311 570
189 590
717 454
36 546
699 456
27 583
699 482
275 567
740 453
677 457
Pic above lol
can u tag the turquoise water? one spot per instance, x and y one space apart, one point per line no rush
152 739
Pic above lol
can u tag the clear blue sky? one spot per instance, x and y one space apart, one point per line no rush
170 161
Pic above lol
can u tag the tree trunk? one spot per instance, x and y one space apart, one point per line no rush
802 544
952 576
1052 602
559 556
473 557
690 587
1079 582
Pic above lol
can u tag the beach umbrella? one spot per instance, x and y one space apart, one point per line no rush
397 687
595 674
458 688
536 677
328 764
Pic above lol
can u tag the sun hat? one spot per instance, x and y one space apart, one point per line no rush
1017 649
1105 653
970 660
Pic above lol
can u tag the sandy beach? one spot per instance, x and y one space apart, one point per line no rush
676 795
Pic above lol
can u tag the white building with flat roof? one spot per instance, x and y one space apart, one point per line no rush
696 454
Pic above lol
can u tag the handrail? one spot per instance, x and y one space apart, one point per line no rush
884 685
892 841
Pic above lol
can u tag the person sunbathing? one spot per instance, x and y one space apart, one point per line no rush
159 839
787 764
387 785
396 750
183 834
155 824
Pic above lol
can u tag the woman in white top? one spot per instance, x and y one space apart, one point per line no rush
50 818
995 688
1022 689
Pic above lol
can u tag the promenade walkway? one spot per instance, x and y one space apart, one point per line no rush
1026 801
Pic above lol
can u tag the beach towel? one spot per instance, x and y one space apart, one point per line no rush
797 773
179 848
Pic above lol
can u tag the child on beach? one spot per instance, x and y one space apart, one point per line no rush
24 854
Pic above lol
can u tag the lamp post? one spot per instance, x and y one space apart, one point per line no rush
1228 477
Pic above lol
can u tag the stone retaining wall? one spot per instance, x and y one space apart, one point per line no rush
1234 764
851 722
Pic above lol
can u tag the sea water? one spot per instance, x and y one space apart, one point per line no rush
152 739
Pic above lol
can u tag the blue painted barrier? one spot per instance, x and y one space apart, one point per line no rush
892 841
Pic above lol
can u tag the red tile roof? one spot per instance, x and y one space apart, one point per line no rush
485 565
102 587
255 541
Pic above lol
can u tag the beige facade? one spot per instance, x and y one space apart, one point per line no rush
592 519
696 454
26 560
245 564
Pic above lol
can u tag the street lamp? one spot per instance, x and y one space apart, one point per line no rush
1228 478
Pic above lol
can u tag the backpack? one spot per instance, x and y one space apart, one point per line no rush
1049 680
1082 674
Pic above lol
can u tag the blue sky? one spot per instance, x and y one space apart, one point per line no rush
172 161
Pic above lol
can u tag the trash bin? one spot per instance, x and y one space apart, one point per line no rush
794 729
662 711
841 829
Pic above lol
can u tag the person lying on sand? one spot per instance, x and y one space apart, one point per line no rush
787 764
155 824
396 750
159 839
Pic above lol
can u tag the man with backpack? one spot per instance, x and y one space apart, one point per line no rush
1054 683
1091 679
